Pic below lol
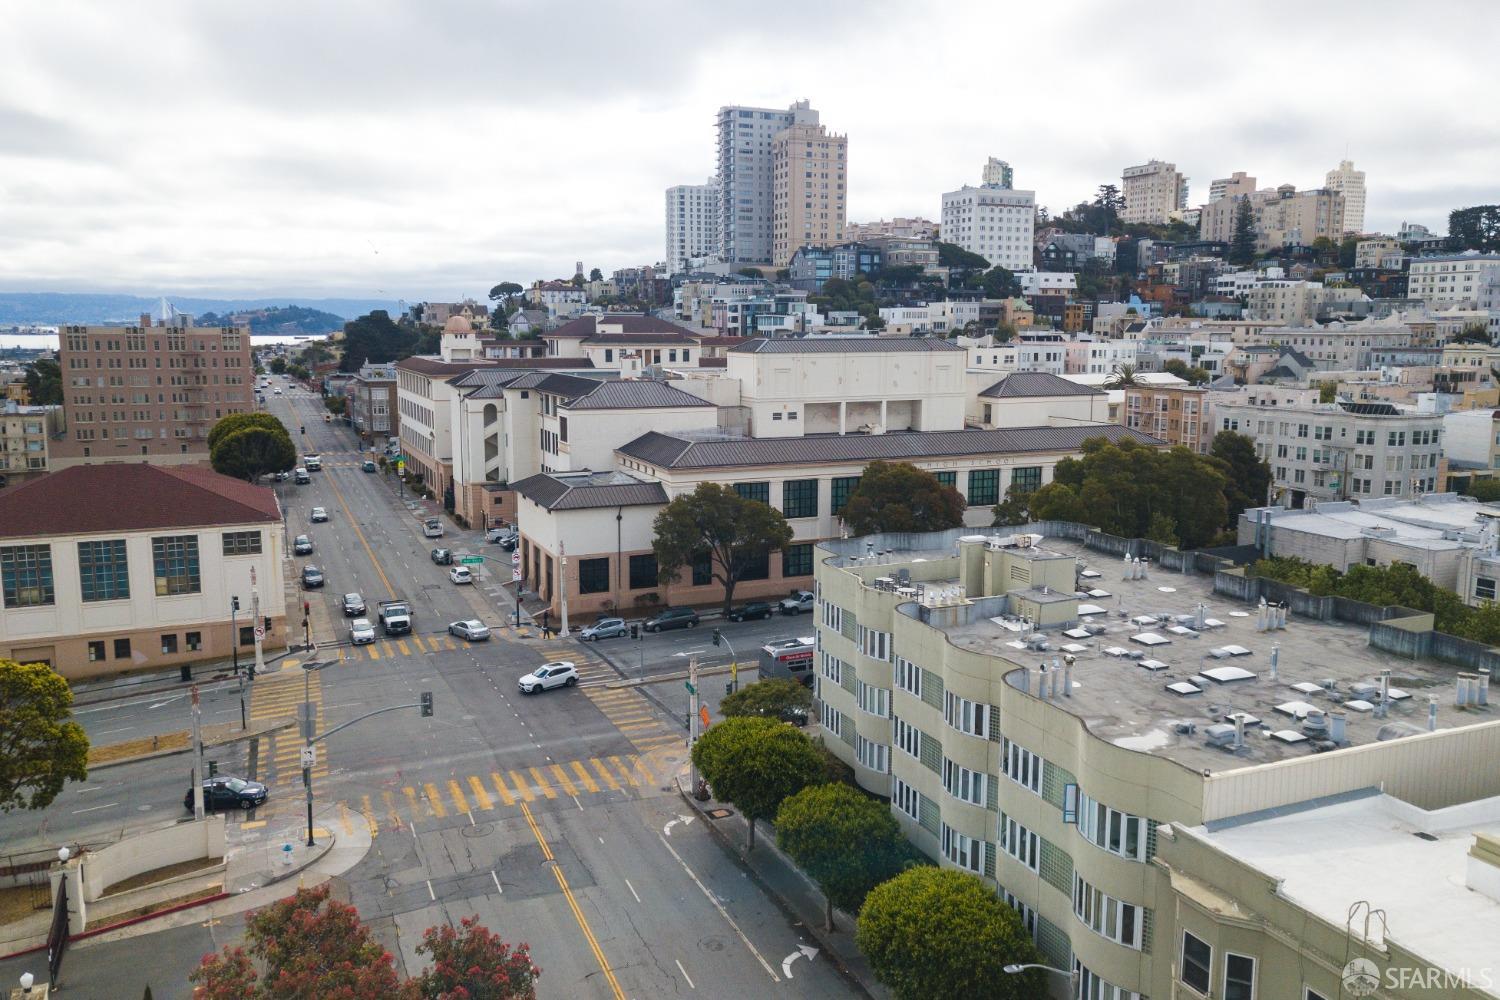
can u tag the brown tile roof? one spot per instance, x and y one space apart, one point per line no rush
88 499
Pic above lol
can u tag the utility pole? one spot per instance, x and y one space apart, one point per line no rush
234 647
562 551
734 661
197 756
260 631
692 686
308 725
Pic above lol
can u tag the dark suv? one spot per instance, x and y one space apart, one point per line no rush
750 612
672 618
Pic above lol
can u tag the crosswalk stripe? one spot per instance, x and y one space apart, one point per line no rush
447 642
369 814
585 777
480 795
541 783
522 788
640 766
416 640
637 717
401 645
435 800
344 819
604 773
389 799
656 742
624 771
637 727
562 779
374 651
411 799
505 795
458 796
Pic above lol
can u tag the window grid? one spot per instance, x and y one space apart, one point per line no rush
799 498
241 543
103 570
175 558
908 677
26 572
1023 767
965 852
966 716
1020 843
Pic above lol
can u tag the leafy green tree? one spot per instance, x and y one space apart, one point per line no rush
1485 490
252 452
336 405
1052 502
844 840
777 698
955 256
783 274
1348 249
43 746
506 290
225 426
1476 228
755 763
376 338
472 963
1328 392
734 531
1015 509
1247 476
596 275
44 382
748 272
1472 333
998 283
1193 374
937 932
898 496
278 365
1004 333
1242 242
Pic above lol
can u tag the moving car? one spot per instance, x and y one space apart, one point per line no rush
800 601
460 574
354 604
318 514
604 628
395 616
311 577
300 476
750 611
473 630
302 546
432 528
367 466
361 631
671 618
442 557
277 391
559 673
225 791
314 463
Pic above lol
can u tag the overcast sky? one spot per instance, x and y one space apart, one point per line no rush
430 149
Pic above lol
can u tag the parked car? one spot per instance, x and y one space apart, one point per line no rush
224 791
432 528
510 541
460 574
367 466
560 673
800 601
671 618
604 628
473 630
354 604
499 535
302 546
750 612
312 577
282 477
318 515
443 557
361 631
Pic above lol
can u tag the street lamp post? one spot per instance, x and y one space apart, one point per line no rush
1016 970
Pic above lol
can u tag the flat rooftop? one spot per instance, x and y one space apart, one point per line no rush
1122 673
1411 863
1436 521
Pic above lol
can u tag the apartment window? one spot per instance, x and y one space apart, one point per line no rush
247 635
984 487
169 644
1308 993
754 491
966 716
96 650
965 852
946 478
908 737
1023 767
1197 957
1239 977
874 643
1092 987
593 575
103 571
908 677
1114 831
242 543
703 572
122 649
643 573
833 720
962 783
1027 479
1020 843
1106 916
873 700
799 498
175 559
839 490
833 616
26 573
193 641
756 565
875 756
831 667
906 798
797 560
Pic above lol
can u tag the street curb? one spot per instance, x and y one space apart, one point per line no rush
680 675
227 741
123 923
813 928
116 693
298 869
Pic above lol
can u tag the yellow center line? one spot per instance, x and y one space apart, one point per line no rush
354 523
567 891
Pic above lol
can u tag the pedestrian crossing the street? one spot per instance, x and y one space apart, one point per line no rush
276 697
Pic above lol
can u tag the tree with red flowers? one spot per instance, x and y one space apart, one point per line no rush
472 963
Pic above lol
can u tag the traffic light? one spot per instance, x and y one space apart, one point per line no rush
234 602
426 704
306 609
718 638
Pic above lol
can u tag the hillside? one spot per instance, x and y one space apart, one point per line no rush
56 308
277 320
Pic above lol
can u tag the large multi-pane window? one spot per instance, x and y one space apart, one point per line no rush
1101 913
799 498
643 571
966 716
175 559
946 478
966 852
593 575
906 798
1092 987
831 667
1117 832
1027 479
875 756
797 560
103 570
756 565
908 676
908 737
839 490
1022 766
1020 843
984 487
962 783
874 643
754 491
871 699
242 543
26 573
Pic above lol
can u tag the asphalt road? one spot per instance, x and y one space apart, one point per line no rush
550 816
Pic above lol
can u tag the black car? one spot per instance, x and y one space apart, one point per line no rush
354 605
671 618
227 792
443 557
750 612
312 577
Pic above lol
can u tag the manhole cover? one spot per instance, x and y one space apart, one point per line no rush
720 813
477 830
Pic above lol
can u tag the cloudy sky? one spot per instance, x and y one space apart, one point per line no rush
430 149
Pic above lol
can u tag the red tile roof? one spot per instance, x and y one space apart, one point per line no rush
88 499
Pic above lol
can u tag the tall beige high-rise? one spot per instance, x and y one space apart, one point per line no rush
1351 184
809 186
1152 192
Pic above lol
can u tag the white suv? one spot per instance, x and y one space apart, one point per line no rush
560 673
432 528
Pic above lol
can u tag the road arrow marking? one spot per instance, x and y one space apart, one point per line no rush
667 830
803 950
168 701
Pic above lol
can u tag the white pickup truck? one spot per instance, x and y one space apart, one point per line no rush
800 601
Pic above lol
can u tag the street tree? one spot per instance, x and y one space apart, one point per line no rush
1188 373
44 382
773 698
1247 476
472 963
938 932
898 496
955 256
1242 242
844 840
252 452
335 405
278 365
225 426
43 746
734 532
999 283
755 763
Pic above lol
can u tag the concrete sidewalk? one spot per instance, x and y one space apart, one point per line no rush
93 692
796 894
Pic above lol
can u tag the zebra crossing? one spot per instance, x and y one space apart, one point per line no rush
277 696
635 718
407 645
592 671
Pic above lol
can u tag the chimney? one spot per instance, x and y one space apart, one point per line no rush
1385 694
1461 692
1068 677
1239 729
1275 658
1482 687
1432 713
1041 688
1025 680
1056 674
1336 723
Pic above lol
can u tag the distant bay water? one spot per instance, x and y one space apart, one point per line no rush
48 341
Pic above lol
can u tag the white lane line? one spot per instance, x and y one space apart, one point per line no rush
722 912
471 818
632 891
685 975
90 788
497 882
577 803
106 732
430 892
92 808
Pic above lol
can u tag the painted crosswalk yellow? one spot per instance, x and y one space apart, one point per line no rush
411 645
629 711
276 697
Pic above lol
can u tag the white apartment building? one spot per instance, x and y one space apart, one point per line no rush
1295 302
1351 184
1047 282
1152 192
692 224
1235 185
746 177
1382 252
993 220
1470 278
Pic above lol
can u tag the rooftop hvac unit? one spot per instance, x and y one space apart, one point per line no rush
1316 723
1220 735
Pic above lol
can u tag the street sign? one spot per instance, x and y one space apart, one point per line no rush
515 558
260 631
309 756
472 560
689 686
